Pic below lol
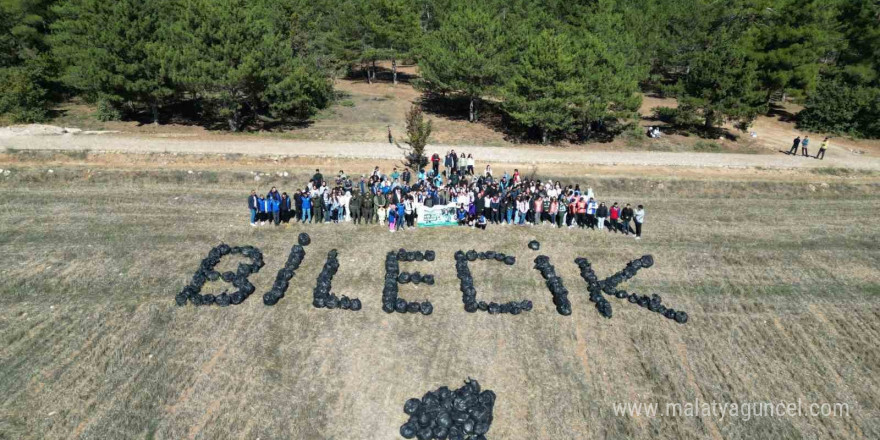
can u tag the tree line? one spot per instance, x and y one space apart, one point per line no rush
551 69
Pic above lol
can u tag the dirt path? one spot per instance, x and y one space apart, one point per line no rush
836 157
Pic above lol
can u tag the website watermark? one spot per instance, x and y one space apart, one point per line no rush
731 410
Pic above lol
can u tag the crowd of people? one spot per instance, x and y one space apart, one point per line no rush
480 200
805 145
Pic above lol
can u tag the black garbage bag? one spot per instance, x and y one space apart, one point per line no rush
213 275
430 255
681 317
444 419
621 294
534 245
418 256
494 308
481 428
468 426
355 304
227 276
526 305
414 307
472 255
670 313
564 309
455 433
408 430
499 256
332 302
345 303
425 433
303 239
509 260
400 305
412 406
416 277
221 300
270 299
428 279
426 308
633 298
388 306
403 278
647 261
207 300
181 299
483 306
440 432
236 298
470 307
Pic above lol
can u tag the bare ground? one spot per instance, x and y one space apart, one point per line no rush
780 282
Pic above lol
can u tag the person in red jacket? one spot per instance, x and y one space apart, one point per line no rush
581 212
614 216
435 162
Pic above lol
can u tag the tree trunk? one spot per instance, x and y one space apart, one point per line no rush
472 114
394 71
367 71
235 121
373 70
710 116
154 107
543 135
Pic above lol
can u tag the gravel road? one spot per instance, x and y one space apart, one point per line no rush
836 157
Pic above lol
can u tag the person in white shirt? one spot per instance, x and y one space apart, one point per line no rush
639 217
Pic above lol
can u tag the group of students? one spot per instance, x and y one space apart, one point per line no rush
805 144
396 199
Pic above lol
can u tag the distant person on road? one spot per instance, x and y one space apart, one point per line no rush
804 144
639 218
794 145
821 154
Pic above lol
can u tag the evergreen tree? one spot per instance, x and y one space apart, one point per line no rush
391 28
722 83
418 131
465 54
110 51
251 72
26 68
544 85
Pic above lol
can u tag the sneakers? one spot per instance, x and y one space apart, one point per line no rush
638 238
253 224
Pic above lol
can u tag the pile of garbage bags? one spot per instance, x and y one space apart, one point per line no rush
462 414
238 279
469 292
554 283
282 280
608 286
391 302
321 296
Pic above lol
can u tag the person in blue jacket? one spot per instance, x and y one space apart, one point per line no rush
261 210
306 208
275 208
253 207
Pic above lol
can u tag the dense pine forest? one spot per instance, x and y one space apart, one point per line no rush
554 69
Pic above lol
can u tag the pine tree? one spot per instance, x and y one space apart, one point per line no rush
465 54
391 28
27 70
418 131
109 51
251 72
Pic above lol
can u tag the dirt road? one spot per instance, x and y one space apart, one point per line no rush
249 145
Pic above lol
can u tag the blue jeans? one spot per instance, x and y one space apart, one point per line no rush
522 218
253 215
509 216
306 214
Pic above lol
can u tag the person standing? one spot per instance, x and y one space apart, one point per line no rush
562 209
614 216
601 215
355 205
285 208
435 163
275 207
367 211
253 206
470 164
592 207
582 212
794 145
264 210
306 209
804 144
625 216
318 178
821 154
639 218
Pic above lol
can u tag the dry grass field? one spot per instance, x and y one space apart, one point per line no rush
777 269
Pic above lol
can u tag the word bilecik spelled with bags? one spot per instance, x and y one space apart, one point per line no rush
324 298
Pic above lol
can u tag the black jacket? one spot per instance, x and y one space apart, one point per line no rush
252 202
602 211
626 214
